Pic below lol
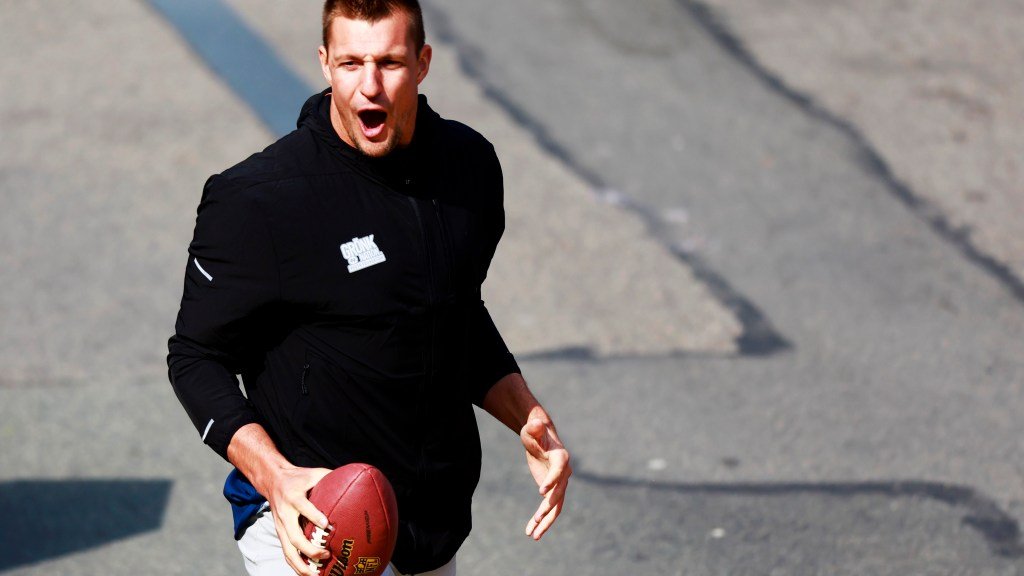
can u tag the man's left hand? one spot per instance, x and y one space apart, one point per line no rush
549 463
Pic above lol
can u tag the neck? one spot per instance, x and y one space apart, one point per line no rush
337 125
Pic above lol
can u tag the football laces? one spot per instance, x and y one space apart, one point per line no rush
318 537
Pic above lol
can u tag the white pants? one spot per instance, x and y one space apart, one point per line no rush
263 555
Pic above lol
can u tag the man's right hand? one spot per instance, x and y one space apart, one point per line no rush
285 487
288 501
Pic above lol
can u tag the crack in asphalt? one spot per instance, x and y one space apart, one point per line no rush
874 163
1000 531
758 336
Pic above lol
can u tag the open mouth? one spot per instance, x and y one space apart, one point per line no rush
372 122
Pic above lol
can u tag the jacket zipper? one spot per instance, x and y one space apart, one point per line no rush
302 381
426 251
421 466
444 243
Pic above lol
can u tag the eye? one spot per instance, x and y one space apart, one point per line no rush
392 64
349 65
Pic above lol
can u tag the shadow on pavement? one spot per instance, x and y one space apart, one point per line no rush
759 336
871 512
44 519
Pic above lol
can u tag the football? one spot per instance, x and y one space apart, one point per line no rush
362 512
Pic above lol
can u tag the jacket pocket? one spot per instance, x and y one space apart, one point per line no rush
302 401
320 416
322 388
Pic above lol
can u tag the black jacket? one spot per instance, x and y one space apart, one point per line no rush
346 292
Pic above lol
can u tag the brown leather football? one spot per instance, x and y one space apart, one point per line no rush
363 515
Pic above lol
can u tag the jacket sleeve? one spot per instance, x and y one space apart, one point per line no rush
231 278
490 359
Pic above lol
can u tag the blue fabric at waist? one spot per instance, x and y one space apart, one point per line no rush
245 501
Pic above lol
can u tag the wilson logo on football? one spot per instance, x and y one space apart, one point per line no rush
346 553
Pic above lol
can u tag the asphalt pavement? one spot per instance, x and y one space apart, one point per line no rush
763 359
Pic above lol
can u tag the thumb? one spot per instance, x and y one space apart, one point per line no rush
313 476
317 474
533 435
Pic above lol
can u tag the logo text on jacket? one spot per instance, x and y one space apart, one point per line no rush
361 253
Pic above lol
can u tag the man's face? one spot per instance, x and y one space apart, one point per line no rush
374 71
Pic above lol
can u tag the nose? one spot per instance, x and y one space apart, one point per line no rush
370 84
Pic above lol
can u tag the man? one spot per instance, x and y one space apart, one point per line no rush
339 272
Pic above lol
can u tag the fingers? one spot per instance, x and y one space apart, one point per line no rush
552 498
288 545
543 510
289 504
298 538
540 529
303 505
307 510
558 462
297 544
549 510
551 506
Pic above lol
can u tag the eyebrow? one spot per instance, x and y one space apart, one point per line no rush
394 55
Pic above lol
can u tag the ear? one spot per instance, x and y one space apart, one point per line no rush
424 62
325 65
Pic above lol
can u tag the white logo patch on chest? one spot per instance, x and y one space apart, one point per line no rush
361 253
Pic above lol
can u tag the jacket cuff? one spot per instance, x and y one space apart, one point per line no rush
218 433
506 366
